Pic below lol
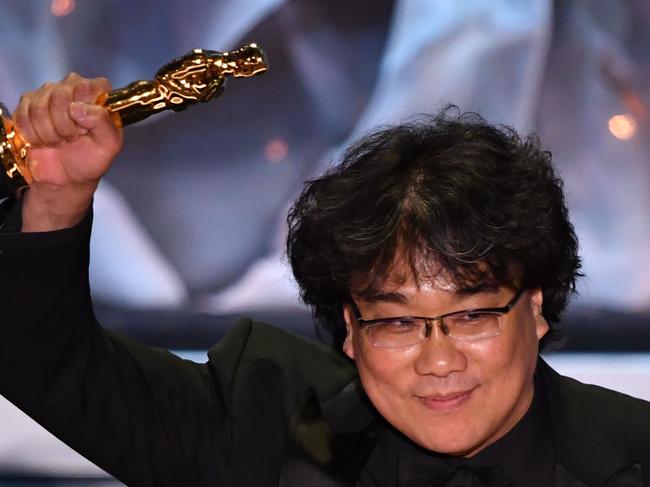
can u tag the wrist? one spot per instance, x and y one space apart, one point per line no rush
49 207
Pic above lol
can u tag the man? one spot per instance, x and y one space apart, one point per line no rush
438 255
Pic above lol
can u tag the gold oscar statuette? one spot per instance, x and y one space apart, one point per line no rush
198 76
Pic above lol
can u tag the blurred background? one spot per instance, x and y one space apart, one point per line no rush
189 224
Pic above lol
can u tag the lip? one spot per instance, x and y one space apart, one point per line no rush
446 402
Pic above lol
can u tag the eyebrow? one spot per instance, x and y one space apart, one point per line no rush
375 296
385 297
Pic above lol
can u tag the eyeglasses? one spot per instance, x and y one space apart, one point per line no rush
464 326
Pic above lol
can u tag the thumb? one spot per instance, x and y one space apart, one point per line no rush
93 119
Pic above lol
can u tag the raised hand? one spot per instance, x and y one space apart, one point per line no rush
73 143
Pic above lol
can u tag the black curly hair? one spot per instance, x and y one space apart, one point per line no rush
451 195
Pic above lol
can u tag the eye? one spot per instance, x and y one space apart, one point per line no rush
470 319
397 326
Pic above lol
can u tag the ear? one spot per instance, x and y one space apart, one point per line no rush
536 301
348 343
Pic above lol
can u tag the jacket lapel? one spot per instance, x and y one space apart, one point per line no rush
329 444
630 476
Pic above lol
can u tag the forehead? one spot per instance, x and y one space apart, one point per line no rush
401 290
410 276
430 294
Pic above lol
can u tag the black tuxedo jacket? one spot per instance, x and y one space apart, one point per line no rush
268 409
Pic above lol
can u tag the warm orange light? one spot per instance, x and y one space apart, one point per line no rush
622 127
61 8
276 150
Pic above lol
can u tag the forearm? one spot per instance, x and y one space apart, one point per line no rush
42 286
139 413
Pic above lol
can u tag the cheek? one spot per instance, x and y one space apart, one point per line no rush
386 376
504 366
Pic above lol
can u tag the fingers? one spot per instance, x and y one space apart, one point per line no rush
23 122
44 117
96 121
89 90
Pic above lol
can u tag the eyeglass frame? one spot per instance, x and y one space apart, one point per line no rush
428 321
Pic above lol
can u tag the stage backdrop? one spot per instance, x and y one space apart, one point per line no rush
191 217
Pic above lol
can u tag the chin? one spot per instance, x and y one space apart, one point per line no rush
452 445
454 434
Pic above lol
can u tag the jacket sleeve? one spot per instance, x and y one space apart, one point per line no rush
142 414
10 214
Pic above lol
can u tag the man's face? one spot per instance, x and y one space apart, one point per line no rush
449 396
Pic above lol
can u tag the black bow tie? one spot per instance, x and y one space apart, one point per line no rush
462 476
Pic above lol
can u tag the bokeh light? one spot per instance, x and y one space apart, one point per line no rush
276 150
61 8
623 126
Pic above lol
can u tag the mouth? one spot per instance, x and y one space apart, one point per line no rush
446 402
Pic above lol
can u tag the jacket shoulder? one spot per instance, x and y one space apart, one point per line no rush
265 377
598 416
608 406
258 353
257 341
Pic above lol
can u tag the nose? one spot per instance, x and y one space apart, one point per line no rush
438 355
